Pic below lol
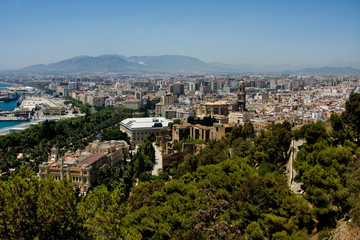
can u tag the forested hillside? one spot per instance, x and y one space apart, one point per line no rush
234 189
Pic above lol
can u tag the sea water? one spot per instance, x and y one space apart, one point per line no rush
8 106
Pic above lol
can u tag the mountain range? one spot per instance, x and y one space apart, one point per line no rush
166 64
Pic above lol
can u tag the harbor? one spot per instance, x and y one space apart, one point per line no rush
31 108
26 124
28 107
39 118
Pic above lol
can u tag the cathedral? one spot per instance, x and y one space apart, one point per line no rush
241 97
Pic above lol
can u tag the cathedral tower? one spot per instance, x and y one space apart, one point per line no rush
241 97
54 154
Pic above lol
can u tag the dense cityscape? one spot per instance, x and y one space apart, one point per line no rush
175 116
181 120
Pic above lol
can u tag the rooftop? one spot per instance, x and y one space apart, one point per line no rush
216 103
150 122
92 159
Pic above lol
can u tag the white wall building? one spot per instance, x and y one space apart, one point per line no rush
138 128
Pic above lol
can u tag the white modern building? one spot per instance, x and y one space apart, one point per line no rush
138 128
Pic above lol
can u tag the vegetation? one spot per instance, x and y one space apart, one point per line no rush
69 134
233 189
328 165
205 121
114 133
153 102
123 176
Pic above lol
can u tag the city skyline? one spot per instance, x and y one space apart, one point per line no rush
299 33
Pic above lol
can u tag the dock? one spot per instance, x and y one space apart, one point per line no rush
23 126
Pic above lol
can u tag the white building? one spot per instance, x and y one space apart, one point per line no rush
138 128
110 101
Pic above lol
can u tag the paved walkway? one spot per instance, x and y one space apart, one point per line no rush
294 186
158 160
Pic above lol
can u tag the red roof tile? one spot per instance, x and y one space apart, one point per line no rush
92 159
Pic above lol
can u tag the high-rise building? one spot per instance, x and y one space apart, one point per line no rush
193 86
169 99
138 95
214 87
265 97
72 86
179 88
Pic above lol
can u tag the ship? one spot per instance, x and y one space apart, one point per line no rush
20 100
7 97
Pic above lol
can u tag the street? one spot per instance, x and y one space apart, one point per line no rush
294 186
158 160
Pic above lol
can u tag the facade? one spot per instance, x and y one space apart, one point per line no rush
265 97
213 108
170 113
239 118
110 101
138 95
169 99
220 130
72 86
133 104
65 92
159 109
96 101
54 111
138 128
184 114
193 86
216 132
81 167
178 88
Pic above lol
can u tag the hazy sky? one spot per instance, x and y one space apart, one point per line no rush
296 32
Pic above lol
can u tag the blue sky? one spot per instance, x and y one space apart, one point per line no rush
294 32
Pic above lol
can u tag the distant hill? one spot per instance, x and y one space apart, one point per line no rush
85 64
171 63
123 65
329 71
166 64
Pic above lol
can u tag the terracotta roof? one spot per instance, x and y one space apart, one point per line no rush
92 159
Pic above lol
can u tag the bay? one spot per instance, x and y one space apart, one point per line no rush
8 106
4 85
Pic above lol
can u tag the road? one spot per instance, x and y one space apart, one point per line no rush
158 160
294 186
